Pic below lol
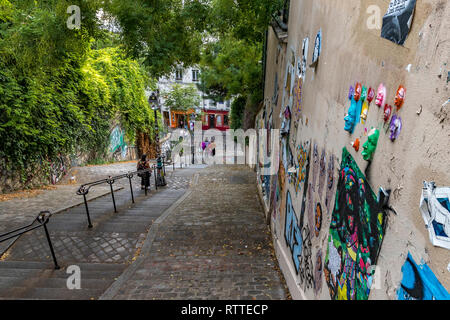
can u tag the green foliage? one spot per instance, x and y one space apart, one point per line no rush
56 94
231 67
61 90
232 62
245 20
161 32
237 112
182 97
113 89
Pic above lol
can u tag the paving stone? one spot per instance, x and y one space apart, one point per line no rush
209 249
27 268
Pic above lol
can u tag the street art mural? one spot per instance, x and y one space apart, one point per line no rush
297 178
318 219
315 164
267 183
322 172
303 64
117 145
293 233
318 271
330 185
310 209
420 283
277 199
355 236
306 271
317 49
298 98
298 239
57 169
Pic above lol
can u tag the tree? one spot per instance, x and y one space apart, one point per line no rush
182 97
232 60
163 33
237 112
231 67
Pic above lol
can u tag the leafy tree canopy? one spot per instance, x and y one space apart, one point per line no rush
57 94
182 97
231 61
163 33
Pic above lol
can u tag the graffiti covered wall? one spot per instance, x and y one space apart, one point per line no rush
118 147
334 234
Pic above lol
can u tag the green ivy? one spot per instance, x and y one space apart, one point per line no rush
59 96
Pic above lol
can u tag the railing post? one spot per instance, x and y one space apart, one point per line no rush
131 188
145 186
87 211
51 246
164 168
110 182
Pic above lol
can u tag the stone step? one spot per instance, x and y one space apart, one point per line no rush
43 265
50 273
25 293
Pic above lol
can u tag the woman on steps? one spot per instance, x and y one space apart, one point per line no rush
143 164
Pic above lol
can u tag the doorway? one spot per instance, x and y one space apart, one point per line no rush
212 121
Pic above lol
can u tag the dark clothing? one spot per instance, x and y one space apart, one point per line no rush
145 177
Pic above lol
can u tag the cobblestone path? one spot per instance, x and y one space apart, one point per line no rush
213 245
102 253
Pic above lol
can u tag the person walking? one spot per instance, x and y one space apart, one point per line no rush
212 147
204 146
144 164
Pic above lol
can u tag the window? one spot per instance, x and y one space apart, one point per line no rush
179 75
225 120
195 75
219 120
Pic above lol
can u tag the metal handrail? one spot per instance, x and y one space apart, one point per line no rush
41 220
84 189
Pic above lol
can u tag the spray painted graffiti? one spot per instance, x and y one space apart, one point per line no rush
420 283
318 271
276 199
265 182
315 164
355 236
305 189
299 176
311 207
318 220
293 233
330 185
57 170
298 239
306 265
322 173
298 96
117 145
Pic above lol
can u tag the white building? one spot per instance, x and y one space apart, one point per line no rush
187 76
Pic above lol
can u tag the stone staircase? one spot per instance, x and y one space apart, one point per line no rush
102 253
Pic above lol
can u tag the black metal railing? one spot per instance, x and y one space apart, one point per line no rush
40 221
84 189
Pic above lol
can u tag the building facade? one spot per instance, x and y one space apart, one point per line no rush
218 112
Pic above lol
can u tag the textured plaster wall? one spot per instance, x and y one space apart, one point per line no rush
352 52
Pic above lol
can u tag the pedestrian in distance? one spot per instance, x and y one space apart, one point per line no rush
144 164
204 146
212 147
